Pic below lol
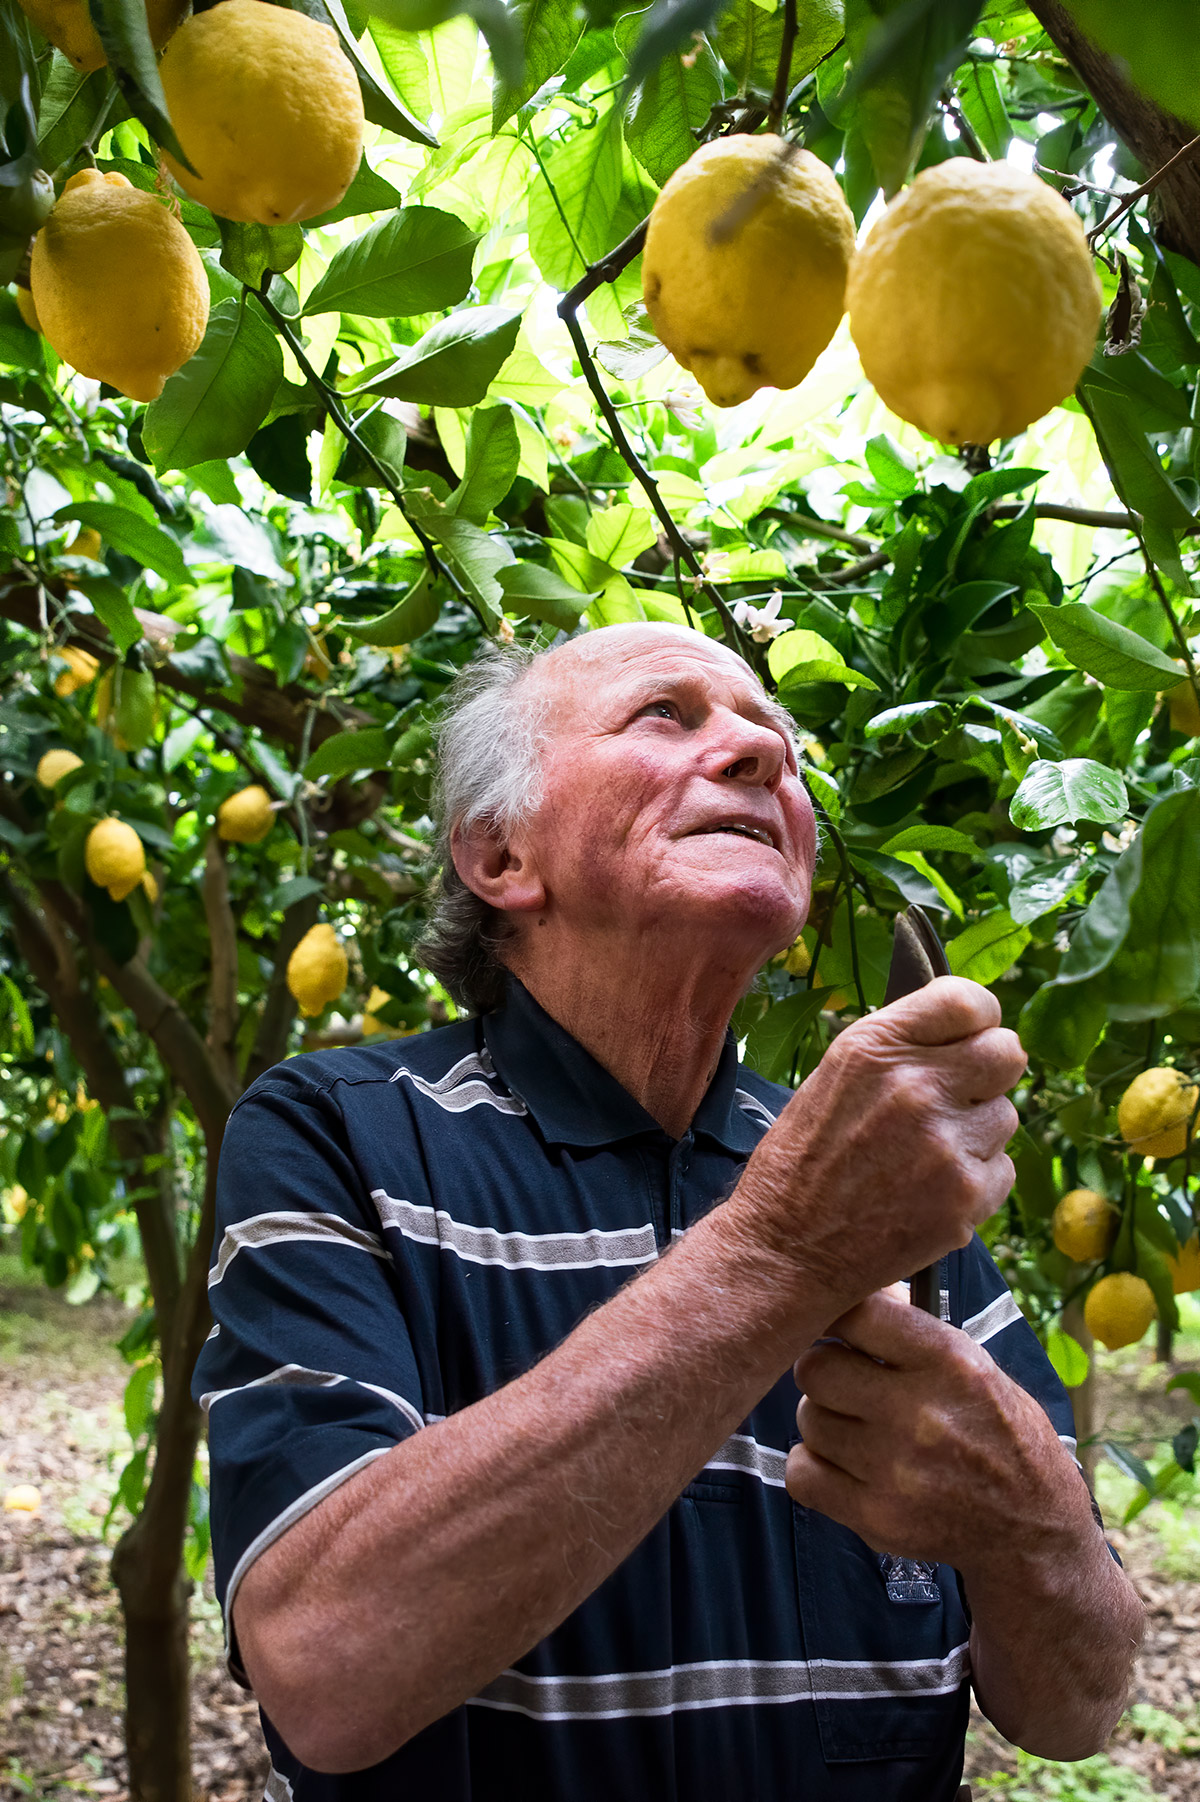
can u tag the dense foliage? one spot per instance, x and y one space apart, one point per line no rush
389 446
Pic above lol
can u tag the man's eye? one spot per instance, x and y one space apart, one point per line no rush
665 710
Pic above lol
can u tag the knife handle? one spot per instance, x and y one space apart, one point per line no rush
917 957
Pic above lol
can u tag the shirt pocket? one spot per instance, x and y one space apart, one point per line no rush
889 1670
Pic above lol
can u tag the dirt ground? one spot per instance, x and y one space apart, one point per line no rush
62 1429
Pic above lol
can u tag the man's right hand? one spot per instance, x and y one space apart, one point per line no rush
893 1150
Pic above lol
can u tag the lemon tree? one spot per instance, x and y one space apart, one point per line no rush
384 364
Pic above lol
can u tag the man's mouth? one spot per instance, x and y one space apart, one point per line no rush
759 833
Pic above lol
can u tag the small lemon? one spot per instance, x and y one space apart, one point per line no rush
798 961
82 668
377 998
1119 1308
150 887
24 1499
318 967
115 857
974 303
118 285
246 817
27 310
86 543
1185 1269
744 273
1084 1226
68 26
268 109
18 1201
54 765
1153 1113
1184 710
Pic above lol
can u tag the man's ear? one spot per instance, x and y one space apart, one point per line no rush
503 875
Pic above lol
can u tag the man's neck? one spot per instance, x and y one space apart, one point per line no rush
656 1026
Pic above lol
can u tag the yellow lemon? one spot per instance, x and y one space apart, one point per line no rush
150 887
118 284
1153 1113
377 998
974 304
744 274
1084 1226
268 109
27 310
318 967
1184 709
54 765
1119 1308
68 26
798 961
246 817
24 1499
86 543
1185 1269
115 858
81 669
18 1201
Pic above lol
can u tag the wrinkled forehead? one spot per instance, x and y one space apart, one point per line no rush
580 680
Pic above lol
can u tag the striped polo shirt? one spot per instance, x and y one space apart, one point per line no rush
405 1226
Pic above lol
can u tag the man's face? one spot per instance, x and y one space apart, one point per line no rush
670 793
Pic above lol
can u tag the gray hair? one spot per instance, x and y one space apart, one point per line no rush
488 777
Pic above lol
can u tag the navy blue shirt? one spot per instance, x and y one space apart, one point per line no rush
406 1226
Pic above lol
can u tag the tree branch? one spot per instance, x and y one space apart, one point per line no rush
223 982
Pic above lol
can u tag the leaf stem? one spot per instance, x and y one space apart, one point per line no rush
1110 219
783 69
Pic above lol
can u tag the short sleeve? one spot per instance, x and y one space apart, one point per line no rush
987 1311
308 1373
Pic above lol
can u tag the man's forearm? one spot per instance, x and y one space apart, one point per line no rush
1053 1641
436 1566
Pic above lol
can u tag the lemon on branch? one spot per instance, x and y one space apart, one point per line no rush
1184 709
118 285
1119 1308
54 765
744 274
246 817
86 543
318 967
1084 1226
974 304
1154 1111
115 857
1185 1269
67 24
27 310
268 109
82 668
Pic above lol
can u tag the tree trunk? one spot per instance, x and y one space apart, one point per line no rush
1164 1343
157 1696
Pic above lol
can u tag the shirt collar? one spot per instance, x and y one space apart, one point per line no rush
576 1101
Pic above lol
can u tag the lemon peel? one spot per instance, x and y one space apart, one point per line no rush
318 968
246 817
54 765
1154 1111
1119 1308
1084 1226
115 857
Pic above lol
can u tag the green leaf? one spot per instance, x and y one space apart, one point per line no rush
1106 650
1138 475
621 533
493 453
213 406
367 193
1157 44
893 468
669 26
1051 794
902 51
249 251
1129 1464
550 30
111 604
773 1041
749 39
1044 888
988 948
982 101
139 1399
380 107
1071 1363
125 531
368 748
799 657
387 441
1140 938
665 111
124 31
1060 1024
538 593
455 362
412 616
1189 1380
930 838
472 553
586 173
70 105
416 261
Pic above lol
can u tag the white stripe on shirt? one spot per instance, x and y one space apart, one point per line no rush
596 1249
281 1228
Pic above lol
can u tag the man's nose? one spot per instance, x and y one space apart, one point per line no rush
759 754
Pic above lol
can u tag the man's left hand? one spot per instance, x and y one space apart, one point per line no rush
918 1441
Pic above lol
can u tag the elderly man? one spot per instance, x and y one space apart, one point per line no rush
511 1498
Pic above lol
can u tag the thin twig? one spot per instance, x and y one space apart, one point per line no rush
342 421
1106 224
783 70
963 127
